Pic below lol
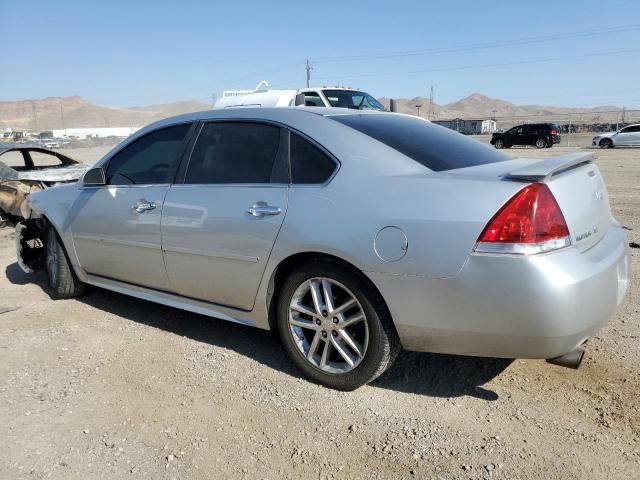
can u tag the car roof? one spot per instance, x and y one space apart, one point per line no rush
63 158
284 115
340 140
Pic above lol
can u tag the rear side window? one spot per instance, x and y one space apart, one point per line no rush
234 152
149 160
433 146
309 164
44 159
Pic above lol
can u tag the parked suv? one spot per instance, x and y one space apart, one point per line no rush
539 135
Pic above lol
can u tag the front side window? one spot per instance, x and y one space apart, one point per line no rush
352 99
309 164
13 159
150 159
632 129
234 152
515 131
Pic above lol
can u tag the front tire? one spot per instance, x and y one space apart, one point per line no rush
541 143
499 144
335 326
61 279
606 143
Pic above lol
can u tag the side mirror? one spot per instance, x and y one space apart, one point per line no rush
94 177
299 100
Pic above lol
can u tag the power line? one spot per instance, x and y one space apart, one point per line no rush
483 46
487 65
564 95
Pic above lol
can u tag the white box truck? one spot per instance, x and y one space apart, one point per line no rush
262 96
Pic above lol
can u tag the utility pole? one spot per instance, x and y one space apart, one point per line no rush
431 103
62 117
213 100
418 107
35 115
308 68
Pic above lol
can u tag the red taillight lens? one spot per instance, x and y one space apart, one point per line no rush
531 222
554 132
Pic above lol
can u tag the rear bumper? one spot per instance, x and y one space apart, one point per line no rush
538 306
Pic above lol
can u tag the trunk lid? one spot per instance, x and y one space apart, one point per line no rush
583 199
576 184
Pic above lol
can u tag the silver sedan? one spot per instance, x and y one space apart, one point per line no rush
354 234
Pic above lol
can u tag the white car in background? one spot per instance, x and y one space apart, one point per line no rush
627 136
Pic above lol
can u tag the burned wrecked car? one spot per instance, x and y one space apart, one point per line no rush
24 170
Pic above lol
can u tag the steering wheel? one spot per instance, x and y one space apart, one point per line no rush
160 166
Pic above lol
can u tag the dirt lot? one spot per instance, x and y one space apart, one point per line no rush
112 387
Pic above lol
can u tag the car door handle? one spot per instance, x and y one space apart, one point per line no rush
145 207
260 209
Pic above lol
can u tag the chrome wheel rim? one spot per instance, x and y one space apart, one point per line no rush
328 325
52 261
540 143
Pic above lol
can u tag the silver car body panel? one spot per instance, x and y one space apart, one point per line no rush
443 297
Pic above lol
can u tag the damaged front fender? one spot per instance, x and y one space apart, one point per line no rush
31 241
13 195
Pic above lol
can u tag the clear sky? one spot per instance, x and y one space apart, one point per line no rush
119 52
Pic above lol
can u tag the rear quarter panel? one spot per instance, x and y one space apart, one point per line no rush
441 216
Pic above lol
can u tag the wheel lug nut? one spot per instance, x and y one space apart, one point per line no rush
334 333
324 313
335 320
324 334
318 322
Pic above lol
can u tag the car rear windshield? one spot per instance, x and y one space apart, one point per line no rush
433 146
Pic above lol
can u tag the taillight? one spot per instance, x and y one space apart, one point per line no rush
530 222
554 132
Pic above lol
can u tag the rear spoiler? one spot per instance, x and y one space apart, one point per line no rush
542 170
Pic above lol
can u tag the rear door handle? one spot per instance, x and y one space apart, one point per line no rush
145 207
260 209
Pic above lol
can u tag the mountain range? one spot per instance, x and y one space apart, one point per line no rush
56 112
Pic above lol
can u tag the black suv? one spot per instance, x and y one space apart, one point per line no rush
540 135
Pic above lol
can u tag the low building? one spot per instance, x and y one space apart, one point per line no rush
469 126
97 132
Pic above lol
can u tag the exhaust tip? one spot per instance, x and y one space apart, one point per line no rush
573 359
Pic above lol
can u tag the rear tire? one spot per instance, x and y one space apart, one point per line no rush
375 336
606 143
541 143
61 279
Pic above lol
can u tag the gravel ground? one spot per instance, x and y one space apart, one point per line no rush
108 386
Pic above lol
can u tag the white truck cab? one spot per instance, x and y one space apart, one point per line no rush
262 96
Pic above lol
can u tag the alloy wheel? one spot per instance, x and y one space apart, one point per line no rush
328 325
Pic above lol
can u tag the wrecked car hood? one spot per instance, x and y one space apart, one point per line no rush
60 174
